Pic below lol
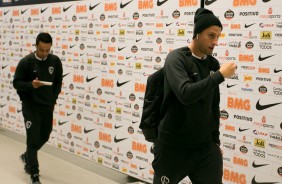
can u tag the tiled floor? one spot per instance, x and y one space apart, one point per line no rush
53 169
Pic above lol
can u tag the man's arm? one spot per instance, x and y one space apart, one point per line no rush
58 78
20 81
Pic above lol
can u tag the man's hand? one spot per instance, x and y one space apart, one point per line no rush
228 69
36 83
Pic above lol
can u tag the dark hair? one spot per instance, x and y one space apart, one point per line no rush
44 37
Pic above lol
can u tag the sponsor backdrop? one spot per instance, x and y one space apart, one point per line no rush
108 49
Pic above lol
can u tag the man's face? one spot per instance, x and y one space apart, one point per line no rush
208 39
43 49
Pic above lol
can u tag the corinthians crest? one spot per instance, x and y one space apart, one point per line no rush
51 69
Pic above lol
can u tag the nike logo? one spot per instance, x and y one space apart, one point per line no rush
58 26
138 40
258 165
87 131
249 25
23 11
61 123
133 122
6 12
128 57
124 5
116 140
242 130
160 3
209 2
43 10
3 67
264 58
112 25
81 54
65 75
120 49
90 79
68 114
92 7
66 9
116 127
141 168
109 101
265 1
168 24
1 106
230 86
92 151
262 107
276 71
19 110
71 46
255 182
122 83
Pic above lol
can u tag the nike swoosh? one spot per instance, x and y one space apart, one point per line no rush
43 10
92 7
22 12
141 168
87 131
116 127
230 86
243 129
209 2
68 114
109 101
71 46
120 49
160 3
276 71
112 25
66 9
124 5
3 67
265 1
65 75
262 107
133 122
128 57
249 25
1 106
90 79
58 26
138 40
264 58
19 110
61 123
82 54
122 83
168 24
255 182
6 12
92 151
258 165
118 140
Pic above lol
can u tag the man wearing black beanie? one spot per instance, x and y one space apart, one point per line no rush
188 134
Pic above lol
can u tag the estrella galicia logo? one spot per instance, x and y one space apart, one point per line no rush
266 106
92 7
124 5
116 140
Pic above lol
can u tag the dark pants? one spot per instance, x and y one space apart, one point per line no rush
38 125
202 165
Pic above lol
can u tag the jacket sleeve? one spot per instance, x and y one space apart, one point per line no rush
58 78
21 81
216 116
184 89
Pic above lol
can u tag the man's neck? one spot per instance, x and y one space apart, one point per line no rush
195 52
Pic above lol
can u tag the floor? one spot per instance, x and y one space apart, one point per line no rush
56 166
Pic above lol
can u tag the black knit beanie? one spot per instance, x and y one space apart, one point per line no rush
203 19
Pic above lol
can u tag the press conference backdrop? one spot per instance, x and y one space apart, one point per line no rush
109 48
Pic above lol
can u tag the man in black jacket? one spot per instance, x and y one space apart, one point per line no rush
38 81
188 140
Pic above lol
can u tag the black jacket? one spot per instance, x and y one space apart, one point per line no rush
192 116
49 70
